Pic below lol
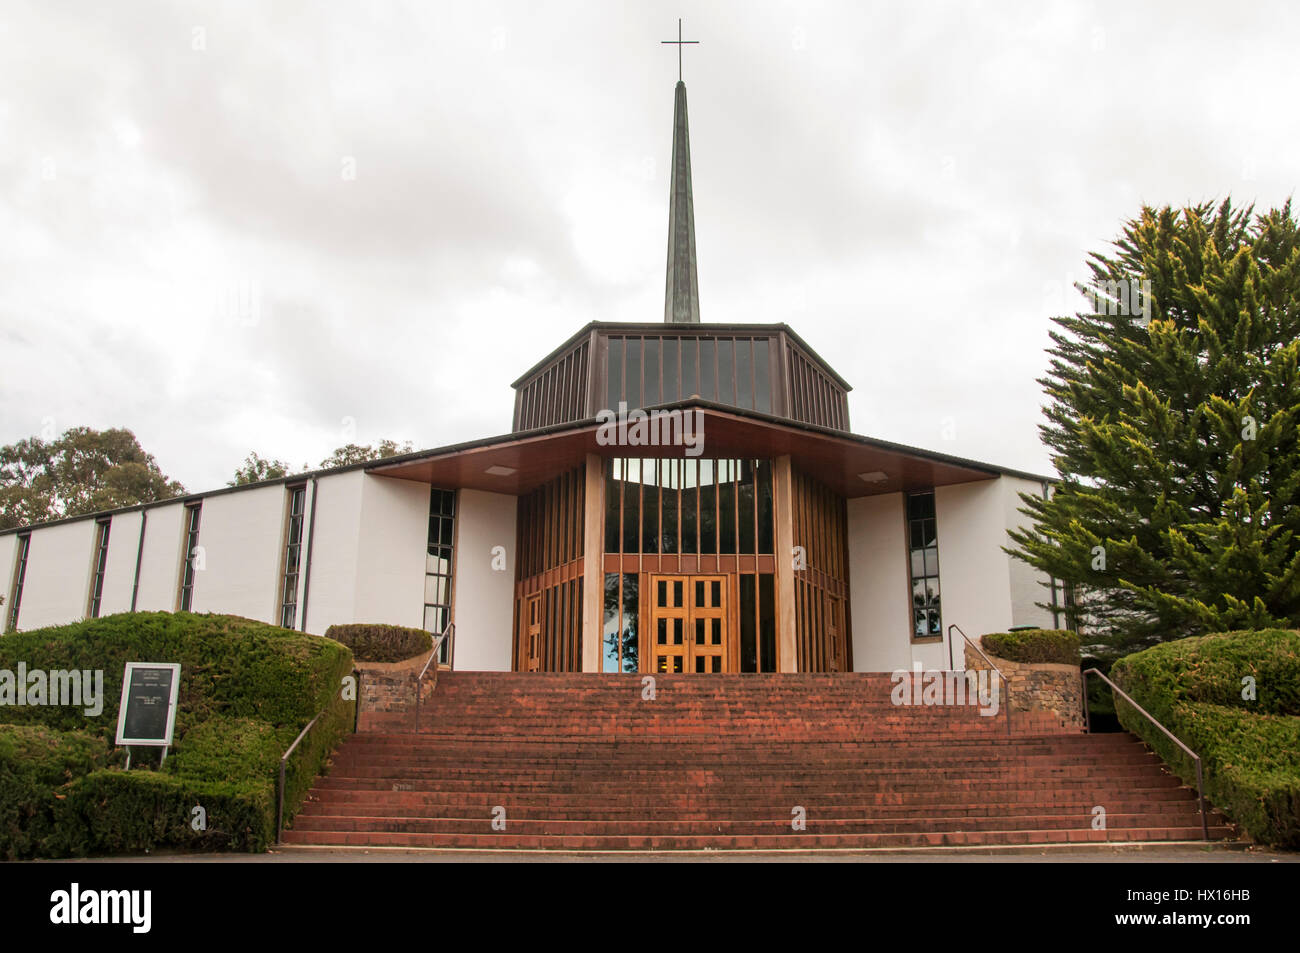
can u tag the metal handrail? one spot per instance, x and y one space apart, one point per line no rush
449 630
284 758
1196 758
1006 685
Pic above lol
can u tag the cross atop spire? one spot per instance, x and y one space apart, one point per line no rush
679 43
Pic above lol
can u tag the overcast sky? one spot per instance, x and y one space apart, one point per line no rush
282 226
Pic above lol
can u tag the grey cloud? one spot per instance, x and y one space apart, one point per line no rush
900 182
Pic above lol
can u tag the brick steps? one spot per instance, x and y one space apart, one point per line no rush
326 816
775 825
793 841
657 759
810 783
440 804
970 800
583 762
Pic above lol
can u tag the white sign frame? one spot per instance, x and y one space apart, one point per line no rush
175 668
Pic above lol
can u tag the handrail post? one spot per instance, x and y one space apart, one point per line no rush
1083 691
356 712
279 804
1200 797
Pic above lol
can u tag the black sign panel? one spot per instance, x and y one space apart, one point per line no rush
149 695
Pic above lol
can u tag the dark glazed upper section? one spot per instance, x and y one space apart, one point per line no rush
761 367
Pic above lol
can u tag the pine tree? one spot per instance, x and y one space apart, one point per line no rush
1174 419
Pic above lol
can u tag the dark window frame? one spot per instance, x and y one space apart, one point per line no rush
20 577
100 563
934 604
193 519
442 526
291 574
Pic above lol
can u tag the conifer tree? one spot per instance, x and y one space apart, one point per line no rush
1174 419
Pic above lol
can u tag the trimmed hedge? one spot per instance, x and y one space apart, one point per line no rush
37 766
118 812
247 689
373 642
1250 748
1209 668
1035 645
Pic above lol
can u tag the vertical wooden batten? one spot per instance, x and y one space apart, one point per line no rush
593 551
783 500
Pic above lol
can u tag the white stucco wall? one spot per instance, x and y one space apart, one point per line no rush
483 598
160 562
241 535
57 586
392 542
878 584
983 588
119 571
331 597
1028 585
974 573
367 557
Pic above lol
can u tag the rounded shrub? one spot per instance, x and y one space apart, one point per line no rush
1035 645
374 642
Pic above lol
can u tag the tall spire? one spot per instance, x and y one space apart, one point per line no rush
682 295
682 292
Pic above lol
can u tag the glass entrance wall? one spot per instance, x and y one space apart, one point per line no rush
751 628
757 622
688 506
690 519
622 607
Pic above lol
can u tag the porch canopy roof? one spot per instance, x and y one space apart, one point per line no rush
849 464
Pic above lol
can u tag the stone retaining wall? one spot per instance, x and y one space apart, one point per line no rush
1037 686
390 686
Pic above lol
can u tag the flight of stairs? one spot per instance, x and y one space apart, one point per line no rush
585 762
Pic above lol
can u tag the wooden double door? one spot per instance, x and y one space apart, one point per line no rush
689 624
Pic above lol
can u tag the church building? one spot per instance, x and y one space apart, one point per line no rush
673 496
